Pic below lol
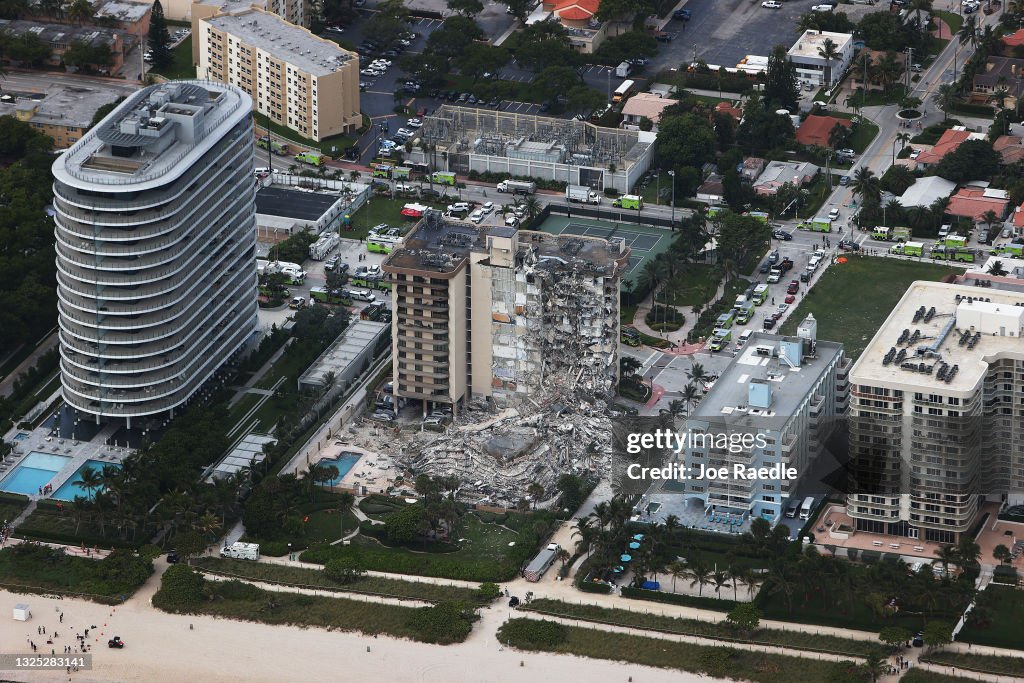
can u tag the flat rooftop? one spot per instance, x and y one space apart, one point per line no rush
789 385
961 325
245 452
128 12
153 137
303 205
348 348
63 105
442 246
287 42
807 45
61 34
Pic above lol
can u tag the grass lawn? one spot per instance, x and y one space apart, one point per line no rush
483 554
954 21
1006 666
324 526
386 210
863 135
695 285
302 576
724 662
851 300
11 505
181 66
922 676
877 98
1007 627
792 639
48 524
31 568
333 146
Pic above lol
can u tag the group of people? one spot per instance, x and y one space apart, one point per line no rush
80 646
45 490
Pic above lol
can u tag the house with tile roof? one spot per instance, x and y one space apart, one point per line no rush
778 173
644 105
579 17
975 201
815 129
1010 148
1000 74
950 140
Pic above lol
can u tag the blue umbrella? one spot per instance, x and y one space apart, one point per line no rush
625 558
634 546
619 570
638 537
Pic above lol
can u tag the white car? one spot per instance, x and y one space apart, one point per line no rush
405 132
404 187
487 207
822 8
371 72
414 123
833 214
915 154
477 216
771 4
388 144
458 207
382 62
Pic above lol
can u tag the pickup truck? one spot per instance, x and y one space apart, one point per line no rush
786 265
775 275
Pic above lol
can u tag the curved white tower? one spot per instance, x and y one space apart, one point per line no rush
155 228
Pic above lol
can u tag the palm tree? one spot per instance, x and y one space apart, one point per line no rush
946 555
938 209
874 667
888 70
867 185
829 51
735 574
677 408
968 551
689 395
677 570
997 269
629 366
989 217
720 579
89 481
968 33
751 581
533 209
903 139
696 373
586 533
81 12
700 575
918 6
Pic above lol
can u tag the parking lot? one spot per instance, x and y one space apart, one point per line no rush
722 32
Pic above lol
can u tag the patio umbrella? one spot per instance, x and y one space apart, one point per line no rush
619 570
625 558
634 546
638 537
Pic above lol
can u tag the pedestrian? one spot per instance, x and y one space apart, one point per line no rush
62 617
773 301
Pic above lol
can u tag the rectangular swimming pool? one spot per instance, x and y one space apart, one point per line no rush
344 463
68 490
34 472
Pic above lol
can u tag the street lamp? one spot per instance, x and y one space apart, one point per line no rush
672 224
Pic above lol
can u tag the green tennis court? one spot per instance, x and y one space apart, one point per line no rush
644 242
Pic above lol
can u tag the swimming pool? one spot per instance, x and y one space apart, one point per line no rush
20 436
344 463
34 472
68 490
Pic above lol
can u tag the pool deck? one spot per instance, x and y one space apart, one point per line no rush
374 472
41 441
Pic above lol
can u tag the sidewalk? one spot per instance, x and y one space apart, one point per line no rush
678 337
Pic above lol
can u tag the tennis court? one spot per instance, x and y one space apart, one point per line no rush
644 242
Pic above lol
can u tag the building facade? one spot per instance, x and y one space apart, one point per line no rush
791 390
935 420
812 67
497 313
296 79
155 230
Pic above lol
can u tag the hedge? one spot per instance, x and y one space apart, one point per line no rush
491 177
594 587
698 601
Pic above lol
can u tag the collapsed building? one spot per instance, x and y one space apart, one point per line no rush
517 332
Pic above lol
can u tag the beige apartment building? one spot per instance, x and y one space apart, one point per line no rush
937 412
293 11
295 78
497 313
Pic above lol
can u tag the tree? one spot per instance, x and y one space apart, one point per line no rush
943 98
453 37
80 54
584 99
628 366
781 86
466 7
189 544
762 129
556 80
968 550
972 159
839 136
611 10
699 575
384 29
181 588
159 37
542 45
571 488
867 185
344 570
520 9
946 555
478 59
744 617
894 636
938 633
687 140
740 237
873 667
829 51
1001 553
402 526
697 374
626 46
536 492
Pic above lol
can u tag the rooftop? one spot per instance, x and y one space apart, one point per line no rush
1010 148
782 172
61 34
975 202
789 385
808 44
577 10
815 129
65 105
962 327
440 246
647 104
926 190
950 140
153 137
126 12
287 42
303 205
349 347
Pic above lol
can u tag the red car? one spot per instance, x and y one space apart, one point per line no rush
794 287
790 299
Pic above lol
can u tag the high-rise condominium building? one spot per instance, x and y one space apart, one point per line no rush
155 228
294 77
937 416
496 312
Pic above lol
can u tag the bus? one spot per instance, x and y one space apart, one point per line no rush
623 92
382 244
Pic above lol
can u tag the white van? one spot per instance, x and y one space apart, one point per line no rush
743 338
241 551
814 262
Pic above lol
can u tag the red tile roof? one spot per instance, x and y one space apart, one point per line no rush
971 202
1018 217
949 141
726 108
577 10
1014 39
815 129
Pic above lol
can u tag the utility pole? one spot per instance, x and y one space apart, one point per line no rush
910 59
673 222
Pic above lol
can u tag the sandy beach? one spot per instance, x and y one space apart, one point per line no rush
161 647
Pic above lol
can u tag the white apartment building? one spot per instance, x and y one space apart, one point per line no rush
937 414
812 67
792 391
295 78
155 230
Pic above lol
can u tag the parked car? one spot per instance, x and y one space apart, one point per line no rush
771 4
915 154
769 323
414 123
790 298
794 287
429 192
849 245
774 257
833 214
782 235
